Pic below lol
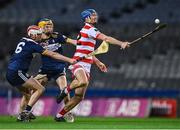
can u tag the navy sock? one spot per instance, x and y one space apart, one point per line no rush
28 108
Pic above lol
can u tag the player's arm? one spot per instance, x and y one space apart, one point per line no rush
71 41
112 40
39 49
58 56
99 64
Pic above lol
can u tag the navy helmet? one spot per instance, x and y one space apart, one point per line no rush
87 13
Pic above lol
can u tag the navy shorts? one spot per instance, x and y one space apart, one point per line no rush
16 77
53 74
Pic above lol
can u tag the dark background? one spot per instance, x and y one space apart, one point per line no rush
150 68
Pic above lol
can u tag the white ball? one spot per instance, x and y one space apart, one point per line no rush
157 21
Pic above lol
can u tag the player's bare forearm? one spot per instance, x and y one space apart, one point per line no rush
96 60
71 41
58 56
112 40
99 64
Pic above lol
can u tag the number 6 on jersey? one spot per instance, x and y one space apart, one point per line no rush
19 47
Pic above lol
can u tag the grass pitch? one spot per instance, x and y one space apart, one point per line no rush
7 122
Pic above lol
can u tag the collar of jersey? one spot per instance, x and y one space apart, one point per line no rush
28 39
89 24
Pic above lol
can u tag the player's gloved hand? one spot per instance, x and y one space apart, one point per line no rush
125 45
102 67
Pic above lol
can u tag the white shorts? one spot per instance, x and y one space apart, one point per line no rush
81 65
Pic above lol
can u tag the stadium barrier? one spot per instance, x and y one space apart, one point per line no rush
108 107
164 108
105 107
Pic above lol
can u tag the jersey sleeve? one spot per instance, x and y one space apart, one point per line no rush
93 32
61 39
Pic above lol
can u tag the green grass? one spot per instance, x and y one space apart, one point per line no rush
7 122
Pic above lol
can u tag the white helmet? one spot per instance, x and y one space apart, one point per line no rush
34 30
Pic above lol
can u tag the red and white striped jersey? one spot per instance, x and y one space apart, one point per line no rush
86 42
85 45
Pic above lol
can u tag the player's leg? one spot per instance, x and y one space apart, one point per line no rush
24 100
37 88
82 81
23 103
26 97
42 79
25 85
76 99
62 83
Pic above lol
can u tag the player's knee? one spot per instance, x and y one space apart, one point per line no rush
27 94
41 89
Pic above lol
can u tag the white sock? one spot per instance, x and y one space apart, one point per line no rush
59 115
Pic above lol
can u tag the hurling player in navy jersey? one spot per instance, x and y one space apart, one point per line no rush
51 68
19 64
53 41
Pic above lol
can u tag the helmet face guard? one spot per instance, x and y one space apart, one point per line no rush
34 30
46 25
43 22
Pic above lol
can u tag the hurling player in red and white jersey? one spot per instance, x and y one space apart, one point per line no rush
81 70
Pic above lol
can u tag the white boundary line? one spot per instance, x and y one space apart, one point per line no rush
88 129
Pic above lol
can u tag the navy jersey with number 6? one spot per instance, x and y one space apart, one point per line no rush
23 55
54 43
